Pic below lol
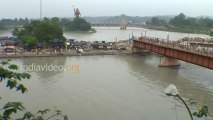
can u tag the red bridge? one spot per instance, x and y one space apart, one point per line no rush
174 51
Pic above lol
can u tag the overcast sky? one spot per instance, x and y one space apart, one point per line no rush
64 8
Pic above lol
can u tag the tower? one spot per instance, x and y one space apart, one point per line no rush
123 22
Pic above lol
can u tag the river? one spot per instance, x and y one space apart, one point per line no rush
125 87
113 33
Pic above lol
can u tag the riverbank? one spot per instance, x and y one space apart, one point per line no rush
67 53
82 32
178 29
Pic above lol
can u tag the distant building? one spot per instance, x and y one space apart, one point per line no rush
3 38
5 41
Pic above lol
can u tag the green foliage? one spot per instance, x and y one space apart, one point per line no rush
28 41
193 23
211 33
11 107
181 20
42 112
12 78
5 23
182 23
16 31
2 26
202 112
64 22
178 20
192 102
156 21
47 31
43 31
78 24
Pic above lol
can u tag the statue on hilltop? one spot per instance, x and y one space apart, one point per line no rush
77 13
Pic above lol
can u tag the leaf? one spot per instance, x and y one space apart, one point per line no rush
11 84
11 107
42 112
58 112
28 116
205 110
192 102
66 118
17 76
195 113
7 113
13 67
25 75
202 112
15 105
39 118
22 88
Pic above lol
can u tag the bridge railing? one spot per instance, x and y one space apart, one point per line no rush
178 45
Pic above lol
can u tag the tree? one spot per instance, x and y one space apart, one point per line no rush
28 41
155 21
64 22
16 31
178 20
48 31
55 20
78 24
148 22
13 79
211 33
190 22
44 31
1 26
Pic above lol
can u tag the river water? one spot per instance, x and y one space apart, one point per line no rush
113 33
125 87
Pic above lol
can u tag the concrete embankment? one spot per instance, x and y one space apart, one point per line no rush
68 53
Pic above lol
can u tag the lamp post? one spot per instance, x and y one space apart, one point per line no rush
130 39
132 35
167 36
171 90
40 9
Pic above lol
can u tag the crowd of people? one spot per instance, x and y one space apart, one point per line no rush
195 45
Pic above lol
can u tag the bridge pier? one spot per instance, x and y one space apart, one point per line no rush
168 62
